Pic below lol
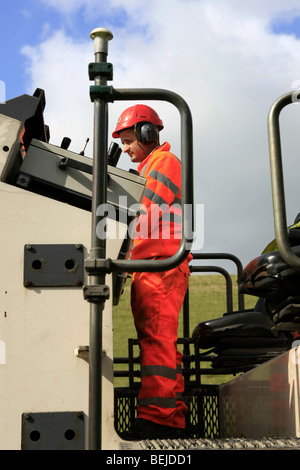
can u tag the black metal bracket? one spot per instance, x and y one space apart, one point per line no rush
94 265
70 163
53 430
103 69
96 293
53 265
103 92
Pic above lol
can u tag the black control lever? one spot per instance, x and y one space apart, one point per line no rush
65 143
114 153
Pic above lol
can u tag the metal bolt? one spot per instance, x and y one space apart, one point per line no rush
28 417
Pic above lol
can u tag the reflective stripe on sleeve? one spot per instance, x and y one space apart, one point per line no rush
160 177
155 198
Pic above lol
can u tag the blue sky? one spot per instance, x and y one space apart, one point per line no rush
229 60
283 25
29 23
20 24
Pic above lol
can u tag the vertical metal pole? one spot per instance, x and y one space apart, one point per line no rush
101 36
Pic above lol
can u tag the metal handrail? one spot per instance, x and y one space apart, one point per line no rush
220 270
227 256
108 265
277 182
98 265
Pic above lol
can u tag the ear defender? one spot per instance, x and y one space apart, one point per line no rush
146 132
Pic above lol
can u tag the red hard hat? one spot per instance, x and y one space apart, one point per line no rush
134 114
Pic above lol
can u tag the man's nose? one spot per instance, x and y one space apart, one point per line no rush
126 148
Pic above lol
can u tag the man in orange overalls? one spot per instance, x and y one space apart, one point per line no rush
156 298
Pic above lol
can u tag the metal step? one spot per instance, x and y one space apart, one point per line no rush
214 444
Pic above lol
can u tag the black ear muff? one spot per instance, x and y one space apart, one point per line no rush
146 132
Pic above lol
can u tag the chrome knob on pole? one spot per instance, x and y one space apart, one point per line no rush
101 36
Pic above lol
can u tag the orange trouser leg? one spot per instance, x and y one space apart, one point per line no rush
156 300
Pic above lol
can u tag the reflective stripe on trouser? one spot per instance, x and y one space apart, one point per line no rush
156 300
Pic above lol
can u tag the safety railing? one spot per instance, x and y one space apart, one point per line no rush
98 265
277 179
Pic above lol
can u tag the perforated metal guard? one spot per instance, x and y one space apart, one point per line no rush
202 419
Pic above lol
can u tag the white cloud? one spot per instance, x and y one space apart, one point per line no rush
223 59
61 69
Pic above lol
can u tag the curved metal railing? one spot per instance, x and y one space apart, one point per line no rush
277 180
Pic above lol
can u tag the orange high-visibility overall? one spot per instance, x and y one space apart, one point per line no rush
156 298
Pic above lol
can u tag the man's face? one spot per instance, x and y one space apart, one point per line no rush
136 150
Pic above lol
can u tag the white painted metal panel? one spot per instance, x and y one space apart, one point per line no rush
41 328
